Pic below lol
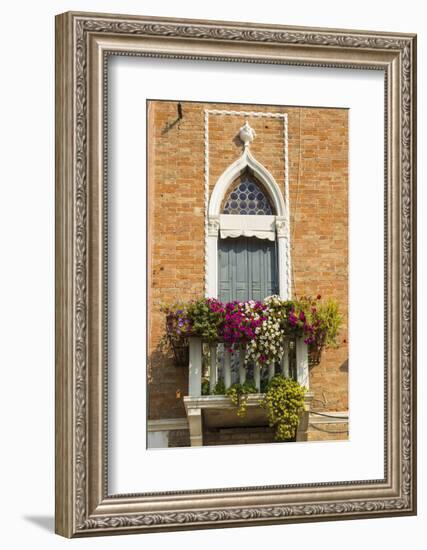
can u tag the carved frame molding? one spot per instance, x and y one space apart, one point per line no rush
83 43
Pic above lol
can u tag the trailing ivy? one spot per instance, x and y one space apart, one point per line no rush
284 401
238 394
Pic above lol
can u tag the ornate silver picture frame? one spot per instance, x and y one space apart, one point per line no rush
84 505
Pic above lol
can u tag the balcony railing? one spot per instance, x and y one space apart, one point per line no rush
213 362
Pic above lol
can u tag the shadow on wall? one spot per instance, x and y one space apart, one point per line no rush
344 366
166 384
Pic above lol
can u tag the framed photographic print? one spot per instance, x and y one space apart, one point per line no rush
235 274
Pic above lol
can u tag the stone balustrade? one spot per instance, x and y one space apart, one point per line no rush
196 374
213 362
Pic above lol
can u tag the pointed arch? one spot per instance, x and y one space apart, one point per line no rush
246 160
274 227
246 196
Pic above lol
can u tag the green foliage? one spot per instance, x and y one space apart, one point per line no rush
264 327
263 385
205 322
330 321
178 328
205 387
284 401
327 328
239 396
315 321
219 388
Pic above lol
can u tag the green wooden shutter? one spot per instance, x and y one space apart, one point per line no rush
247 269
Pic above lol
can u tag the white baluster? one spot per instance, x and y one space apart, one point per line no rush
213 374
285 359
302 362
195 366
270 371
242 369
257 377
227 369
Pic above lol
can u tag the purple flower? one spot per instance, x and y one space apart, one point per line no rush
293 319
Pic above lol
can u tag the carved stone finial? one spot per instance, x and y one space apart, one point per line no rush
246 134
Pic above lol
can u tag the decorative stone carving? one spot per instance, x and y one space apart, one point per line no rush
247 134
281 227
246 160
213 226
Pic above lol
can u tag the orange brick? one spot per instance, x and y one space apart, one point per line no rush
318 191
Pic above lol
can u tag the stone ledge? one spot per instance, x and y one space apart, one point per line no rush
218 411
224 402
331 431
167 424
329 417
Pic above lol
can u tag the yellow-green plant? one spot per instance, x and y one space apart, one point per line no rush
284 401
330 319
327 327
238 394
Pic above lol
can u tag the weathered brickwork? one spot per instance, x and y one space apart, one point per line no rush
318 188
239 436
179 438
332 431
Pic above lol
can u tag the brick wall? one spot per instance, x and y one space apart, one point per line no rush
318 187
239 436
179 438
331 431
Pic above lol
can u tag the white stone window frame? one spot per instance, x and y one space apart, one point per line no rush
264 227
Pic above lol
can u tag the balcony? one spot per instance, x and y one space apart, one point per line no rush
209 363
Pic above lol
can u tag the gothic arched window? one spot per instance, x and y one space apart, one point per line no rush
247 197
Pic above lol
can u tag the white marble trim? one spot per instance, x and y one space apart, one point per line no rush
213 203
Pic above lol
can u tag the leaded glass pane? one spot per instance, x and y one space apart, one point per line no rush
247 198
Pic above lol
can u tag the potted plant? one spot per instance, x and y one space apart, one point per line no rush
178 328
